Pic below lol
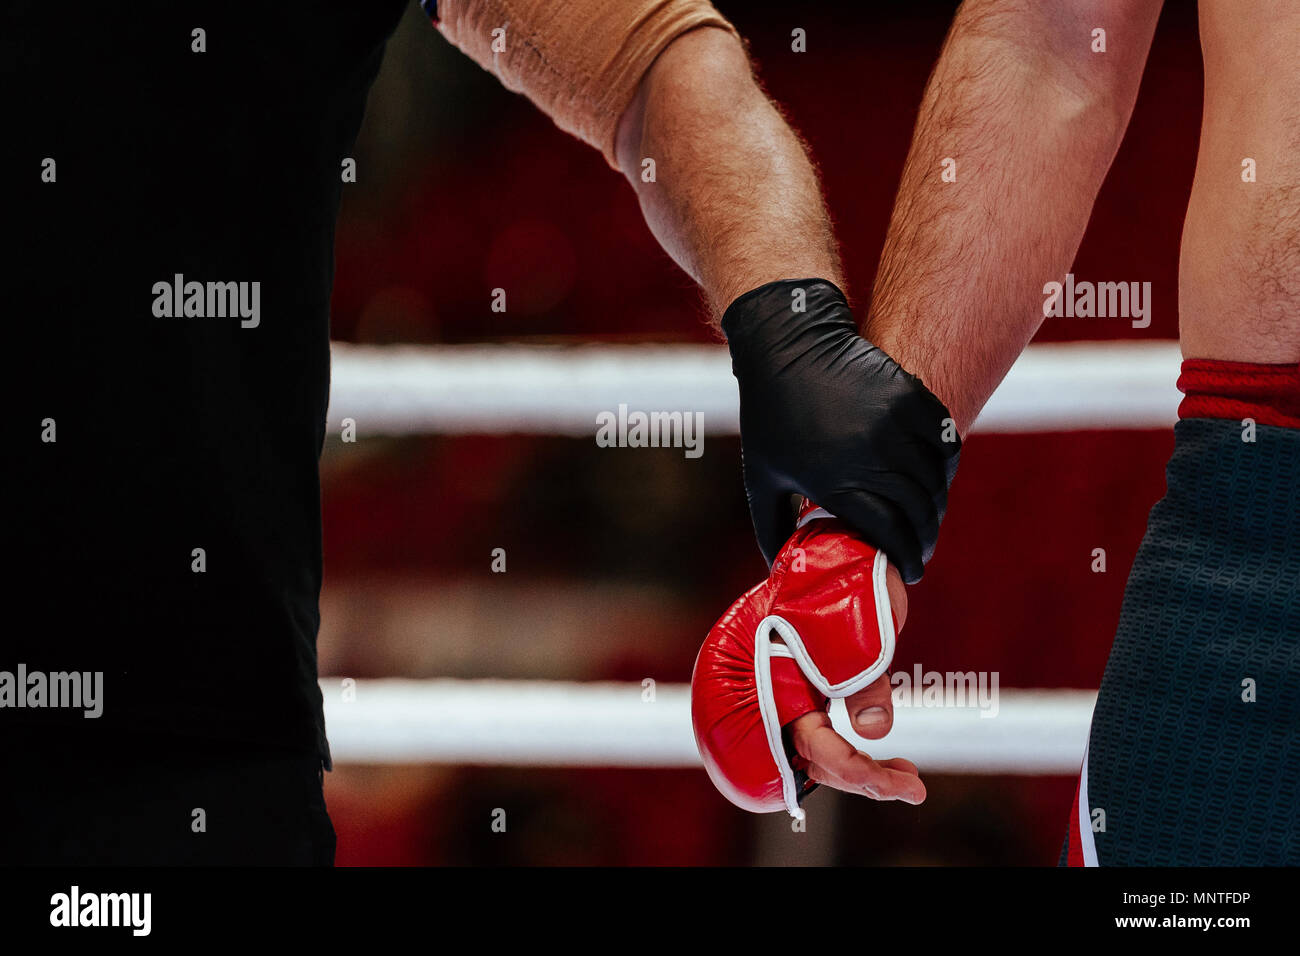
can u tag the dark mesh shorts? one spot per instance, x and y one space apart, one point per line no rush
1194 754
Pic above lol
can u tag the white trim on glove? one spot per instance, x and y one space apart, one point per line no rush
765 648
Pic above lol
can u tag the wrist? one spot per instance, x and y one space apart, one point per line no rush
782 302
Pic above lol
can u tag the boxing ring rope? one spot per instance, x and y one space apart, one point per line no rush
559 390
555 723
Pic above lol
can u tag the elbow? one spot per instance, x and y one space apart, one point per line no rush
701 72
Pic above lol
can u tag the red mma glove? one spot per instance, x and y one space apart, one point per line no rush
820 627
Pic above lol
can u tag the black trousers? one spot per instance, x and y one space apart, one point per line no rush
178 803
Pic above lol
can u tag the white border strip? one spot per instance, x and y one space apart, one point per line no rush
1086 841
764 650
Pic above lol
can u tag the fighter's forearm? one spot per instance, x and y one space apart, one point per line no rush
1025 117
731 194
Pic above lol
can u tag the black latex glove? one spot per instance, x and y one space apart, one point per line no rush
827 415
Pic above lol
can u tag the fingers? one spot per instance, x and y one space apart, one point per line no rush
845 768
872 709
835 762
887 780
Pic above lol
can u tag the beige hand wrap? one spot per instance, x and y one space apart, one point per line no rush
580 61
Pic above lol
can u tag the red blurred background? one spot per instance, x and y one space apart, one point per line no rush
618 564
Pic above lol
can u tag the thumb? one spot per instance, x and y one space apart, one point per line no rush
897 597
872 709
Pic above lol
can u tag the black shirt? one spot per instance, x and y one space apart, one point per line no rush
173 432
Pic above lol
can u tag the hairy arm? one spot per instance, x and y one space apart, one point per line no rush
1031 117
735 199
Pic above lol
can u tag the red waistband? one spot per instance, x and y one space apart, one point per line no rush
1268 394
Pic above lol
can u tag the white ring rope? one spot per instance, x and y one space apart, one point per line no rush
554 723
559 390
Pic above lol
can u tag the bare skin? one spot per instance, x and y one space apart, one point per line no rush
737 203
1032 118
1239 272
959 293
956 301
